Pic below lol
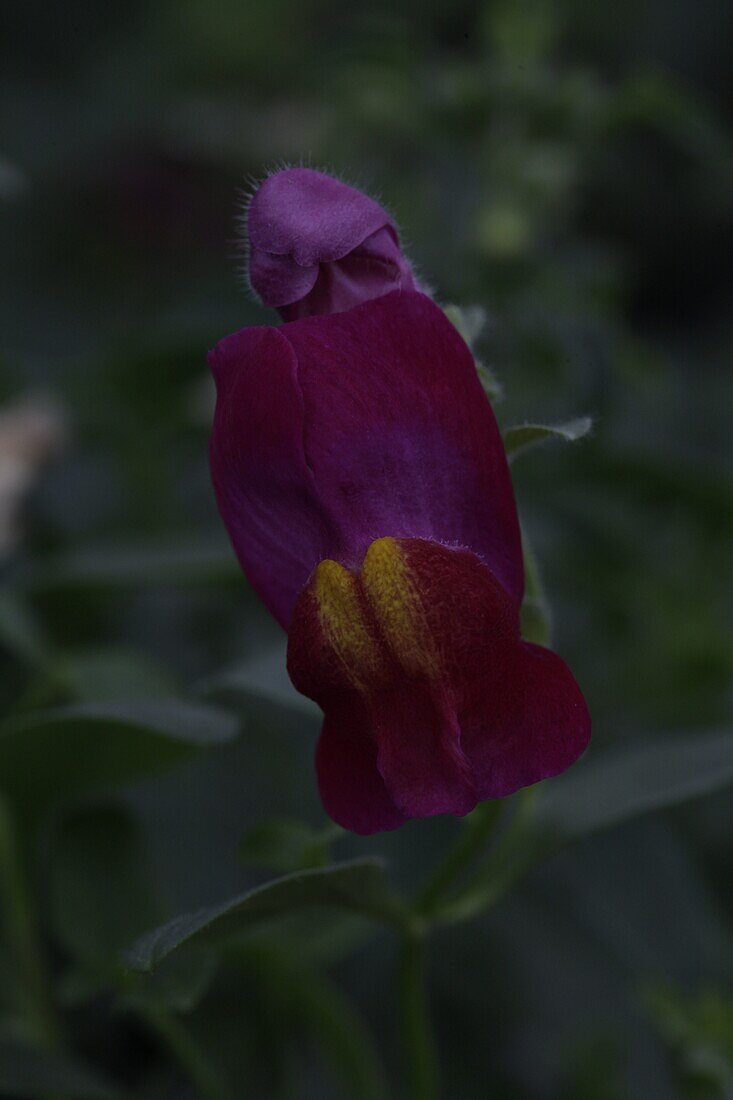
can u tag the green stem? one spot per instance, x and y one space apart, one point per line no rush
188 1054
514 853
417 1036
22 932
476 830
535 612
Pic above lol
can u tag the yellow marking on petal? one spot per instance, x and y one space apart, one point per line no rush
342 619
396 602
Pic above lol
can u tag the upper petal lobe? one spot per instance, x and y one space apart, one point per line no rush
311 216
333 431
318 246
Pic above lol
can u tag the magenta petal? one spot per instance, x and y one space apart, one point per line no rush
400 436
334 431
264 488
279 280
373 269
318 246
311 216
352 790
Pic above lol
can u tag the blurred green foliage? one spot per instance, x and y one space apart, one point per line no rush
569 168
699 1031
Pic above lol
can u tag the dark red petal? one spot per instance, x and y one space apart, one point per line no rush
352 790
531 725
522 715
418 663
420 755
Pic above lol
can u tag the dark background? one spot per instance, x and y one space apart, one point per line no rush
570 167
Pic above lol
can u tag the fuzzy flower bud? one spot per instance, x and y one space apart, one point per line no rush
318 246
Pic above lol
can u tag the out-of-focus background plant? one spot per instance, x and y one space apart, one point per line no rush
570 168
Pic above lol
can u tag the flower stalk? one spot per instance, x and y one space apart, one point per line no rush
507 861
190 1057
418 1041
22 932
476 831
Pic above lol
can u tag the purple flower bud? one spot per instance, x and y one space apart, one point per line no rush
318 246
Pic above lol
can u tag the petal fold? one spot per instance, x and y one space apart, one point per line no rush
351 787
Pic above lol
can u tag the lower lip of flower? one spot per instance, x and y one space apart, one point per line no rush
431 698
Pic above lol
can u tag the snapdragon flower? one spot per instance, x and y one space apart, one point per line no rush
361 474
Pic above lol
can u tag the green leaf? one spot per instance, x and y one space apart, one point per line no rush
601 792
534 618
26 1071
508 858
593 795
656 101
493 388
20 632
285 845
297 990
110 672
358 886
48 754
342 1034
324 937
101 894
177 985
180 562
263 677
699 1031
470 322
535 615
522 437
